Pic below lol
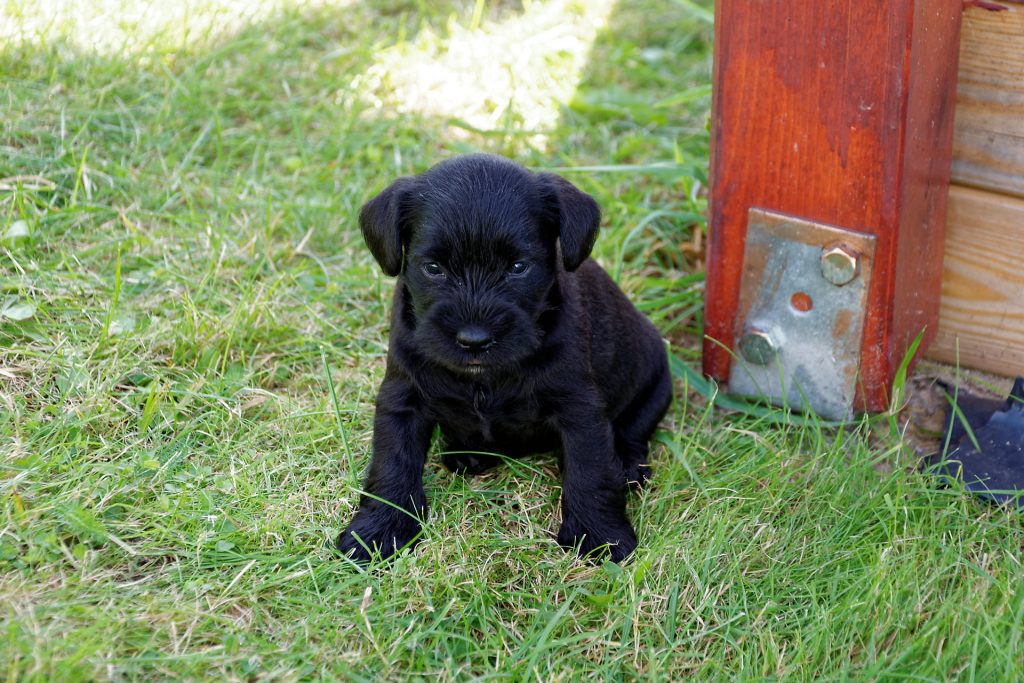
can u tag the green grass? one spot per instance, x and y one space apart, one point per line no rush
184 284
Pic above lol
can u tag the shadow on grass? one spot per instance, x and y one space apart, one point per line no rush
290 99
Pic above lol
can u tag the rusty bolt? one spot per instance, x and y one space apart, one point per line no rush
840 265
757 347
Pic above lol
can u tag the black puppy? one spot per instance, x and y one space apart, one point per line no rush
509 337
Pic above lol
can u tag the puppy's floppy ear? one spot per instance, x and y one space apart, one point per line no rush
579 217
381 221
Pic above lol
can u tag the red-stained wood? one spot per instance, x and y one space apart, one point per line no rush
841 113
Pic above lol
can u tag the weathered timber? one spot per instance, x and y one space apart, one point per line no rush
988 140
981 323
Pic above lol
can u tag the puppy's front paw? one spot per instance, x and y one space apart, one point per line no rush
382 530
637 474
616 539
464 462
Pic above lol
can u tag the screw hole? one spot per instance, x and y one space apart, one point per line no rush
801 302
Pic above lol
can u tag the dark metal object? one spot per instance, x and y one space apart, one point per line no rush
987 446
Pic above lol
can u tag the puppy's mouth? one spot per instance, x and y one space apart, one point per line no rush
474 366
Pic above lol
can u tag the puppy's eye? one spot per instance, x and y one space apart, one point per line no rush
433 269
518 268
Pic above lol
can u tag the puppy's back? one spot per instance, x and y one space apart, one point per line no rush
626 351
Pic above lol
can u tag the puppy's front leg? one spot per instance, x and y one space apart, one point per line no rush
394 502
593 488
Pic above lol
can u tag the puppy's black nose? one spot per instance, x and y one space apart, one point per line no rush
473 338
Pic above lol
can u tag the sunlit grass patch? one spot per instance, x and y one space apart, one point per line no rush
511 74
130 27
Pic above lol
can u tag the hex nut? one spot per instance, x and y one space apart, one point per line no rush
840 265
757 347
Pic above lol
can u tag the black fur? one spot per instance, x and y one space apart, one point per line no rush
553 358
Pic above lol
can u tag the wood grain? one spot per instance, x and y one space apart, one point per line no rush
982 310
839 113
988 142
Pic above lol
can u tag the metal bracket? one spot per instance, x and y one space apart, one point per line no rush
803 301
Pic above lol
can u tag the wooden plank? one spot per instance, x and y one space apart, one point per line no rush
839 113
988 143
982 306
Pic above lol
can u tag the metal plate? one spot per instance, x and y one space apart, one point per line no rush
798 334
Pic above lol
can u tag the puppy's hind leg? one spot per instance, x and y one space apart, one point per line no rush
465 460
634 426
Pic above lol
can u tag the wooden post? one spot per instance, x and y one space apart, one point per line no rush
839 113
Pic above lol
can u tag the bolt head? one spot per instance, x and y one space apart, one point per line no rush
757 347
840 265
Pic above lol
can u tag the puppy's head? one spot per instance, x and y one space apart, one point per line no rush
478 242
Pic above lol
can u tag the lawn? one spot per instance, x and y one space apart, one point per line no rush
191 336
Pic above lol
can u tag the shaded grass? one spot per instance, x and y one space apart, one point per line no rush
173 457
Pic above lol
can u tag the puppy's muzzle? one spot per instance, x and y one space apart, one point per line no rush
474 339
